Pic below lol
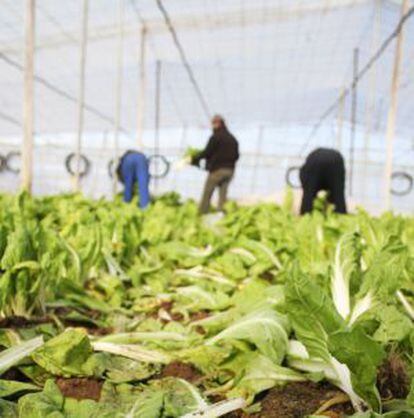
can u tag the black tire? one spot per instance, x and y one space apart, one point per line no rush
161 174
3 163
288 177
402 176
84 162
111 168
9 157
165 166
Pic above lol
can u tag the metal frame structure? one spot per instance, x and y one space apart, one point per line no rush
28 108
197 78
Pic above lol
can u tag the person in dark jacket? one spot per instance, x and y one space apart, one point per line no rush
324 169
133 168
221 155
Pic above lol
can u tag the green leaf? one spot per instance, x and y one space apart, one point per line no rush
346 265
10 388
265 328
13 355
8 409
124 370
363 356
393 325
338 352
47 404
69 354
132 351
149 404
262 374
51 404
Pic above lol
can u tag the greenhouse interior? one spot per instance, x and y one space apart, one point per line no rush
206 208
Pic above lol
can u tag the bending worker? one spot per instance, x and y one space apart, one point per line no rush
221 155
133 168
324 169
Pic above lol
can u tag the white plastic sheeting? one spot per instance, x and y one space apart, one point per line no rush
277 64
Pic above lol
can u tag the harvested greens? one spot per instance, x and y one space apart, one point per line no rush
108 311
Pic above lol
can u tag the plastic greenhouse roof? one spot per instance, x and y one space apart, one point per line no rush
258 62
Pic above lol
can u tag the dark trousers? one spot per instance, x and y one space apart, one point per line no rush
220 179
324 170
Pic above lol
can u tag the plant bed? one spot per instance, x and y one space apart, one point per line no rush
114 311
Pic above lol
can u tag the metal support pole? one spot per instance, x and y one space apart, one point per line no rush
257 159
142 83
28 100
118 89
341 109
353 122
81 93
392 112
157 117
371 95
180 152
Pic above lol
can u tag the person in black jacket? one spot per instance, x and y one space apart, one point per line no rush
324 169
221 155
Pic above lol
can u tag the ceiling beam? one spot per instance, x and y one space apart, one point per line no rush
157 26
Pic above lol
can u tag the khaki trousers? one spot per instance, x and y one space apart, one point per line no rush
220 179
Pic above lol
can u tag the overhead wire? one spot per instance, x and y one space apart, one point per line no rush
371 62
9 119
56 23
184 59
166 80
52 87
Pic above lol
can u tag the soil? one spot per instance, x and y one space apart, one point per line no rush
14 374
298 400
80 388
22 322
16 322
182 371
99 332
198 316
268 276
62 312
393 378
90 328
167 307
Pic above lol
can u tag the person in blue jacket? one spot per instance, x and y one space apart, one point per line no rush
133 168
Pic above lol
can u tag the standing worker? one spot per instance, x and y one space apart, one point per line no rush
221 155
133 168
324 169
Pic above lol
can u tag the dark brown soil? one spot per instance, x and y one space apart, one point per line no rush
16 322
393 379
198 316
80 388
90 328
100 331
182 371
268 276
167 306
62 312
22 322
298 400
14 374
